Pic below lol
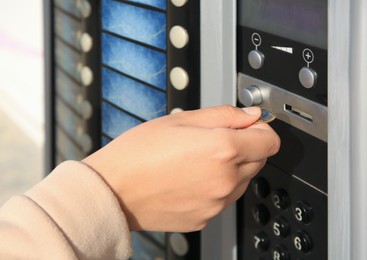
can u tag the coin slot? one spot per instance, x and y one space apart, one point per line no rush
299 113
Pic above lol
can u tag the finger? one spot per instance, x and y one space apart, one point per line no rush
256 143
220 117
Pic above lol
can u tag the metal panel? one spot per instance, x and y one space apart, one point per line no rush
358 122
218 81
339 131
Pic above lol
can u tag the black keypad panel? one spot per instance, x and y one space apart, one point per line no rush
281 217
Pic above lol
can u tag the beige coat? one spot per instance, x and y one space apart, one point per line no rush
71 214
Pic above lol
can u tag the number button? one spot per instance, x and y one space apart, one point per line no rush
261 214
303 212
281 227
260 187
302 242
280 199
261 241
280 253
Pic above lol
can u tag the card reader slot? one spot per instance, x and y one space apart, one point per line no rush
299 113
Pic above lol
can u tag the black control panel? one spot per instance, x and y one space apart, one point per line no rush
282 66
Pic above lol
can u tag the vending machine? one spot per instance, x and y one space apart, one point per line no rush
114 64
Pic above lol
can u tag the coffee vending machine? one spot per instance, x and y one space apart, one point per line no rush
113 64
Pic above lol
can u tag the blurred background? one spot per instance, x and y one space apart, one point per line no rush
21 96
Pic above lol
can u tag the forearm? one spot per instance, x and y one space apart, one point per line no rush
72 214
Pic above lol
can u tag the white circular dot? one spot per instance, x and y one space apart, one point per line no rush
86 143
176 110
179 244
178 36
86 109
86 42
179 78
179 3
85 8
86 76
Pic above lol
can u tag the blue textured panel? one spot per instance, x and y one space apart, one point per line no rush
151 24
67 119
105 140
67 28
67 148
145 249
161 4
115 122
69 91
133 96
137 61
68 59
70 6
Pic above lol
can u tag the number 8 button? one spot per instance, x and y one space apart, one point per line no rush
303 212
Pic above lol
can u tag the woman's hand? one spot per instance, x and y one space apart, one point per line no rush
177 172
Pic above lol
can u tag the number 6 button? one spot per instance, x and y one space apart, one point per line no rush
302 242
303 212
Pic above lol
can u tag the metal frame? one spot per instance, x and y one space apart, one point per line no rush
218 86
358 124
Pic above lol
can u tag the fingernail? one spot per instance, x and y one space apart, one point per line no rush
253 111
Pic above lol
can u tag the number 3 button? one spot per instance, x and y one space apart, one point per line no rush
303 212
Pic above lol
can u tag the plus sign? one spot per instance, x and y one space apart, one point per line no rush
308 55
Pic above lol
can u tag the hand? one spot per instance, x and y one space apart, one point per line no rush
177 172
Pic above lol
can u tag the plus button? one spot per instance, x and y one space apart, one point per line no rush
308 56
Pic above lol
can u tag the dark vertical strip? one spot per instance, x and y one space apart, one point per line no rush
187 58
92 26
49 154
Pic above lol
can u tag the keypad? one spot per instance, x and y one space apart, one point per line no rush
261 187
280 220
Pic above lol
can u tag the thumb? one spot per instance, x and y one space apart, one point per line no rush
225 116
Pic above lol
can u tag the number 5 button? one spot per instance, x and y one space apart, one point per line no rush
303 212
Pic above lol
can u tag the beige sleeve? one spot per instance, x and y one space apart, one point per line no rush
71 214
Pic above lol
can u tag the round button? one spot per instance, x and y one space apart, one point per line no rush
86 76
281 227
307 77
260 187
176 110
303 212
280 199
261 241
86 143
179 244
85 109
178 36
302 242
250 96
179 78
280 253
86 42
85 8
256 59
261 214
179 3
